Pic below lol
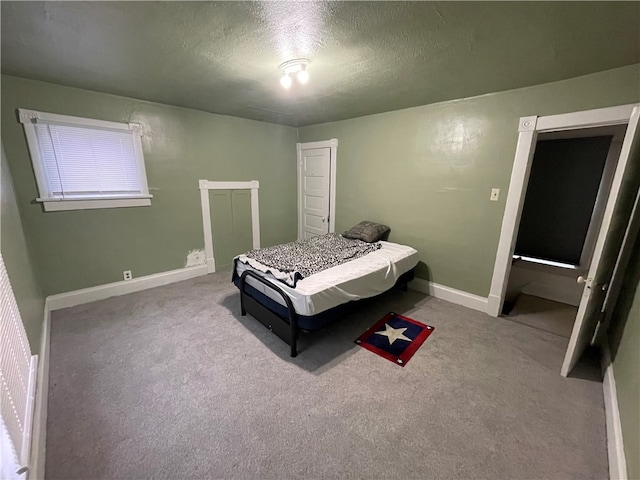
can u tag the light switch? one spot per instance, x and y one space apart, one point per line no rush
495 194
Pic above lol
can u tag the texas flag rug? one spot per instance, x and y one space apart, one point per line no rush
395 338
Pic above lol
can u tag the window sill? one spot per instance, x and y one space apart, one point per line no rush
60 205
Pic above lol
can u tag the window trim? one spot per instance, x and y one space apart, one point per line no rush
29 118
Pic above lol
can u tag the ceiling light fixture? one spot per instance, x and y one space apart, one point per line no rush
285 81
297 67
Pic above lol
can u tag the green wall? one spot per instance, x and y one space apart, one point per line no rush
17 259
427 172
626 368
78 249
624 339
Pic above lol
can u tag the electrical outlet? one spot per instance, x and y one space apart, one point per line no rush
495 194
127 275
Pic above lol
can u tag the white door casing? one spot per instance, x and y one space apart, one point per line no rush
316 188
529 128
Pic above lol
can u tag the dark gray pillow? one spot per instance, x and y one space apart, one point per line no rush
368 232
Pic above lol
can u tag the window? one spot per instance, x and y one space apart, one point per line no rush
81 163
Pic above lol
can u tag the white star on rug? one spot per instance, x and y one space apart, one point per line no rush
393 334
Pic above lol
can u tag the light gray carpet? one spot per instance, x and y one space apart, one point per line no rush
543 314
173 383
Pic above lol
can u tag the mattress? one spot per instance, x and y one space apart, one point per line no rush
363 277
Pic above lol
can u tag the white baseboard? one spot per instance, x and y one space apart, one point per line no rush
615 443
39 433
449 294
100 292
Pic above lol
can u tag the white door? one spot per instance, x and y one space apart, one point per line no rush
607 248
315 187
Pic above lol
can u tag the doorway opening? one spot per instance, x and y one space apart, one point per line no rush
567 191
604 241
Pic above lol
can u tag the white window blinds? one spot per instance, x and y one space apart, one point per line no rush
87 162
17 378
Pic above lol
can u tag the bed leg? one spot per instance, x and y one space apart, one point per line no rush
405 287
243 312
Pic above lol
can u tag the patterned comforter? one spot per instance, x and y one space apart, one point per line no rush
293 261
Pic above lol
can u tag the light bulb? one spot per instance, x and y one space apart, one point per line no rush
303 76
285 81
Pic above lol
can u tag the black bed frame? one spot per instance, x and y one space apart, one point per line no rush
286 328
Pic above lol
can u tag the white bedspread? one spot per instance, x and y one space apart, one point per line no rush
364 277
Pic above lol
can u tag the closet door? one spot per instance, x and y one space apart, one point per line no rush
241 214
222 227
231 225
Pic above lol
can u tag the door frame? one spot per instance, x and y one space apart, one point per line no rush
207 224
528 130
333 163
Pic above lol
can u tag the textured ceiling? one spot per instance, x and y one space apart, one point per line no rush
366 57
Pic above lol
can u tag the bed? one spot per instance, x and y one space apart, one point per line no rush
309 302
